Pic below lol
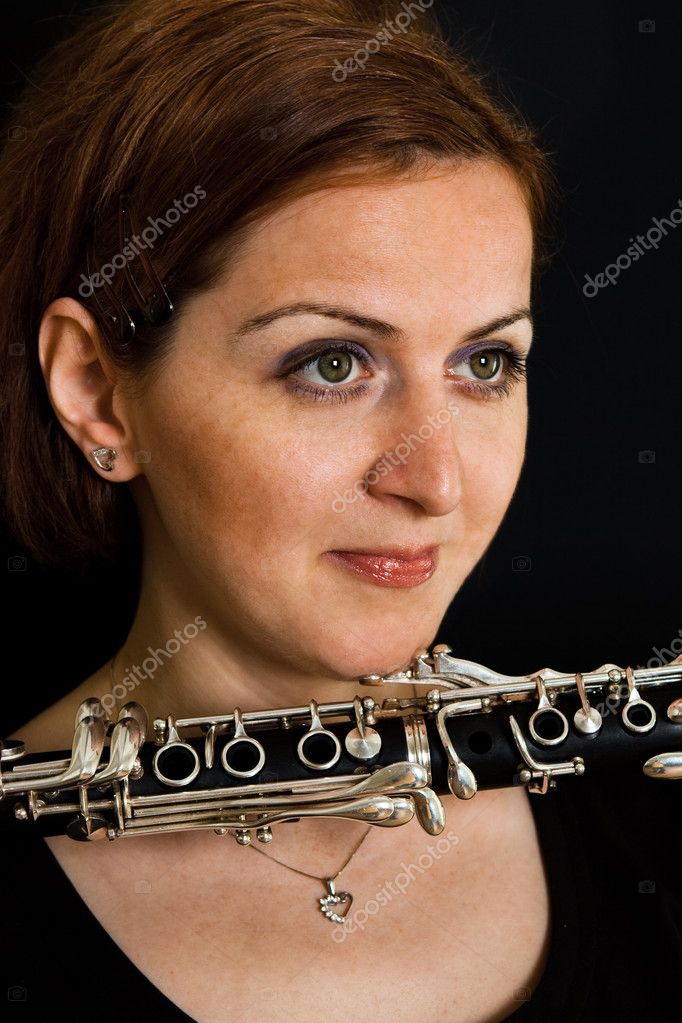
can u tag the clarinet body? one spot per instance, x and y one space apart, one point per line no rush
380 763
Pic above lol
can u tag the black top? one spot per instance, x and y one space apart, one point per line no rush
613 856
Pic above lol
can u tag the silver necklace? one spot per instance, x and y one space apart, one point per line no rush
332 898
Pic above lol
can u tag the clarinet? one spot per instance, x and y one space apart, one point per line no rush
382 764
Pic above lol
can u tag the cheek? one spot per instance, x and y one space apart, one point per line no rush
247 481
491 471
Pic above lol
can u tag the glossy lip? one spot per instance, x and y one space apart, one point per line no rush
398 567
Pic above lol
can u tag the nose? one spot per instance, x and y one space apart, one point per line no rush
421 462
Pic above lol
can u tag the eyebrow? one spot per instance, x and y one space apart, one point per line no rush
384 330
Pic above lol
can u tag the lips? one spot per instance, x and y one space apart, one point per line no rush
394 567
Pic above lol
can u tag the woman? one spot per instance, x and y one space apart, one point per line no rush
347 228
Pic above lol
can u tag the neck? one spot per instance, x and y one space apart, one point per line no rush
178 660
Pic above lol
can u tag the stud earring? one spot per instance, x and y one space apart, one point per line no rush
104 457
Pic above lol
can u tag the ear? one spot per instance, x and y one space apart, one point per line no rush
81 385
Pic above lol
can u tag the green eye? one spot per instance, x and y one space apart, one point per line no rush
334 363
487 373
334 367
485 364
491 372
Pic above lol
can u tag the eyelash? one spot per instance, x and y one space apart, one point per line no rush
515 371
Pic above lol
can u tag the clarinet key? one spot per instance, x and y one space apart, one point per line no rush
674 712
362 742
176 763
242 756
319 748
547 725
664 765
637 715
587 719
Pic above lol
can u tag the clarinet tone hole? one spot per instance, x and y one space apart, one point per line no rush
480 742
243 759
176 764
548 727
639 716
321 750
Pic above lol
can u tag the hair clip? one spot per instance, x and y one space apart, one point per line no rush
157 309
122 320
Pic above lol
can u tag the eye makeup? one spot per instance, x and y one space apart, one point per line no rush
296 372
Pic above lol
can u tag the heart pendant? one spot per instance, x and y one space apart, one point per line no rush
339 898
335 898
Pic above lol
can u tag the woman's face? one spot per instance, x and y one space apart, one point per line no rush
266 450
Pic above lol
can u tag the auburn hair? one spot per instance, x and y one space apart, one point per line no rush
244 104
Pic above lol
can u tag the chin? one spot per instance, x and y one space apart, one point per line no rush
378 656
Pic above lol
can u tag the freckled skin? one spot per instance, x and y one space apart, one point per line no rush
236 501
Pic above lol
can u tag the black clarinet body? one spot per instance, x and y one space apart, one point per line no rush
381 763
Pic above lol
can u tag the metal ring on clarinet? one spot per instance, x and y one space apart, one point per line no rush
176 763
637 715
318 740
245 751
547 713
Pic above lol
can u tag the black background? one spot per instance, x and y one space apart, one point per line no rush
585 567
